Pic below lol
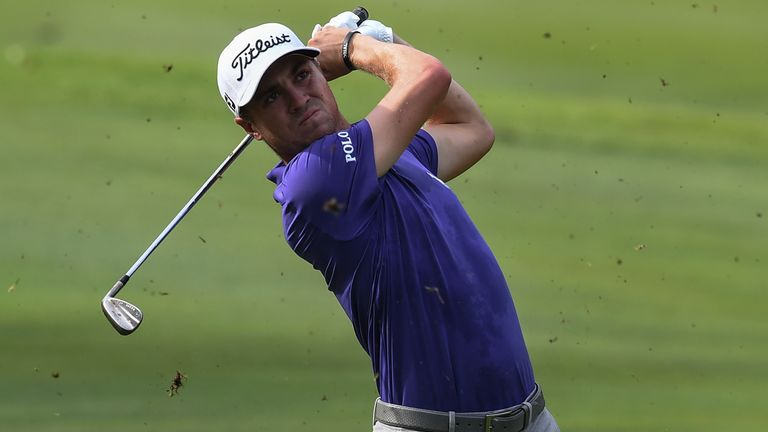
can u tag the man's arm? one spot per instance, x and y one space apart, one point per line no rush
461 131
418 84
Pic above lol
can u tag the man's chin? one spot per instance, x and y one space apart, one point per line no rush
316 128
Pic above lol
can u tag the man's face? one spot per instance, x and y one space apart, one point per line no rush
292 107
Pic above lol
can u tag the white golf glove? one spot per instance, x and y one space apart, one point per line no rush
376 30
372 28
343 20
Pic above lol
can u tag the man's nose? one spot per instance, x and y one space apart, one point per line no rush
297 98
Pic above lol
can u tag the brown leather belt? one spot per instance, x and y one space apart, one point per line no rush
512 419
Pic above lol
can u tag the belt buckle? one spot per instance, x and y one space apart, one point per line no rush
525 407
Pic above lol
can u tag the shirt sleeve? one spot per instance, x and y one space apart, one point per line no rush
424 149
333 184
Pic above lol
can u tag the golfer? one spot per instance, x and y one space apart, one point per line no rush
367 205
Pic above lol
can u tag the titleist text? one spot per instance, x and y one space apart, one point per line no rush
250 53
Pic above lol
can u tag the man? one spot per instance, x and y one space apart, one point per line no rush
366 204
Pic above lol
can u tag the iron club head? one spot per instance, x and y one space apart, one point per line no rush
123 316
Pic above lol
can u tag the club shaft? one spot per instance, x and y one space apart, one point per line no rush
195 198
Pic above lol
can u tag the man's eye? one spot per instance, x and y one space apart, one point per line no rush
302 75
270 97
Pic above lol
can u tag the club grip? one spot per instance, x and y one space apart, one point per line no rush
361 13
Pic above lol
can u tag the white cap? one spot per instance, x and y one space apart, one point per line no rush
245 60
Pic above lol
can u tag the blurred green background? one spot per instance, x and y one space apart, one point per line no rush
626 199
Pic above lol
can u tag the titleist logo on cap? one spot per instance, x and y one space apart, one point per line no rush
250 53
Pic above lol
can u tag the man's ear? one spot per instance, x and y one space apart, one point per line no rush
248 128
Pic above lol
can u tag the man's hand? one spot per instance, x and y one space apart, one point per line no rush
328 40
348 20
377 30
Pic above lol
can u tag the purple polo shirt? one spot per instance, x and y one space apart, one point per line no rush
426 297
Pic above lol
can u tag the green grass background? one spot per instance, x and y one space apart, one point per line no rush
619 124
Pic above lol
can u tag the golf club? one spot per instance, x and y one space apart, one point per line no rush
361 13
126 317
